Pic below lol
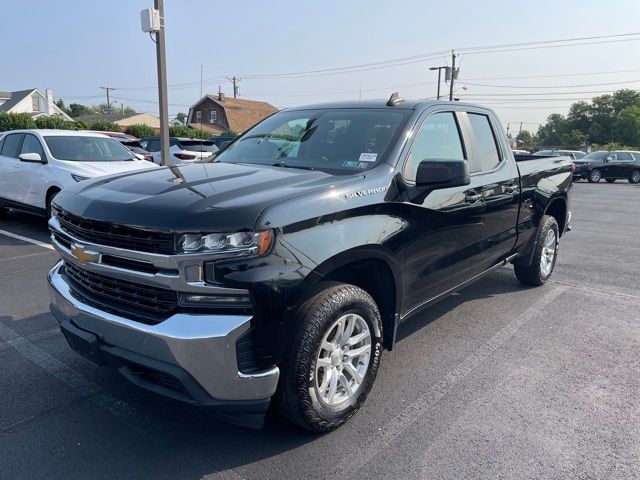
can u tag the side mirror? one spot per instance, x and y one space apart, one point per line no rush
435 174
31 157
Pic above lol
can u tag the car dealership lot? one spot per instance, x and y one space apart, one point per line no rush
498 381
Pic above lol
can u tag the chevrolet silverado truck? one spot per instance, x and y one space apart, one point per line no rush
280 271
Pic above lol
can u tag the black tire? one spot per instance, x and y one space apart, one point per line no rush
634 176
297 398
594 176
610 180
50 196
533 274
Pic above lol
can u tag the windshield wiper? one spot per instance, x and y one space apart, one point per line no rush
285 165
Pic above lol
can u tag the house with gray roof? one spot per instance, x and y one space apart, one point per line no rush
31 101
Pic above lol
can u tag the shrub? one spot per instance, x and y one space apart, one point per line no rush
55 121
229 133
13 121
140 130
189 132
104 126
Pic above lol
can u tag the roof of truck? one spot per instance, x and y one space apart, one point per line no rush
407 104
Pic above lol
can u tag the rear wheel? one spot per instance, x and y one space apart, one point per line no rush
544 257
610 180
334 358
634 177
594 176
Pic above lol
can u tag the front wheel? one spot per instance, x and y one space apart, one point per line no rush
544 256
634 177
594 176
334 358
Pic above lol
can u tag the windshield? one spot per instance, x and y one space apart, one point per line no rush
595 156
87 149
339 142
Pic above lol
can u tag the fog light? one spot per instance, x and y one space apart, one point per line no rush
196 300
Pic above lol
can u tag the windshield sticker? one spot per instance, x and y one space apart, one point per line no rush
368 157
354 164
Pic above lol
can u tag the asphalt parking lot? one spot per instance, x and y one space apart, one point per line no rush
498 381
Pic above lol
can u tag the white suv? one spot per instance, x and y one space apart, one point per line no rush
36 164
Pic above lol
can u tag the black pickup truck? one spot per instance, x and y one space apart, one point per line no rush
281 270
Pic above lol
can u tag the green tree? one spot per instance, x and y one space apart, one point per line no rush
60 104
525 139
140 130
627 127
181 116
550 134
575 138
624 98
77 109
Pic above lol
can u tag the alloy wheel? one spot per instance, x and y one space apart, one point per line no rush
548 253
343 359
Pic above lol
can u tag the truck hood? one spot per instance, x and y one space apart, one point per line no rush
206 197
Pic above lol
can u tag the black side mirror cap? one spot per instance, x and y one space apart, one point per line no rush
436 173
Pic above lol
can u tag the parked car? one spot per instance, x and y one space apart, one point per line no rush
573 154
136 148
521 152
223 140
36 164
284 268
182 150
608 165
116 135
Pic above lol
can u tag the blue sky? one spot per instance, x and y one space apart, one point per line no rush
74 47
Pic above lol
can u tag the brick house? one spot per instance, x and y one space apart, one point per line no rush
216 113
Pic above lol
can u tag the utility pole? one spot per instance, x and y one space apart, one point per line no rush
108 89
520 129
234 81
453 75
162 85
439 69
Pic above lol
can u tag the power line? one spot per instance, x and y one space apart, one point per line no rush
548 86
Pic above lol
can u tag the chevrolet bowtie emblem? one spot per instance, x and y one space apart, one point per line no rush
81 254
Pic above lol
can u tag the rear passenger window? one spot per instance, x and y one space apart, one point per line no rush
438 138
487 153
11 145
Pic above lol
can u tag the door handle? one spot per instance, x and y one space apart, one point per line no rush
511 188
473 198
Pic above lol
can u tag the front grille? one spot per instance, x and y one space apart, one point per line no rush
115 235
120 297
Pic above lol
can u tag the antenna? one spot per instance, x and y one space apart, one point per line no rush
394 100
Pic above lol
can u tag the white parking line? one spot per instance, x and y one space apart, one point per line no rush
350 466
26 239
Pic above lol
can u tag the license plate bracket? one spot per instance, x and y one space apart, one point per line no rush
83 342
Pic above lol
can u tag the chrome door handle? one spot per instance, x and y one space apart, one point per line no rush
472 198
511 188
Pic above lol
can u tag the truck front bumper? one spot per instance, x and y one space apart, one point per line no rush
189 357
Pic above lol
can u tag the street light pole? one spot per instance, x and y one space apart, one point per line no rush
439 69
162 86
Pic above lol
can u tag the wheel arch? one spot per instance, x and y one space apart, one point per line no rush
373 269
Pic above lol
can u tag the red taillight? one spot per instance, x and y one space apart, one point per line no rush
184 156
148 156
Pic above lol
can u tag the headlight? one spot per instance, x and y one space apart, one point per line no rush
242 243
79 178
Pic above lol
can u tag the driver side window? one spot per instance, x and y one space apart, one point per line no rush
438 138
